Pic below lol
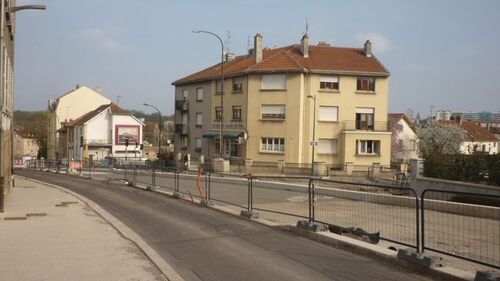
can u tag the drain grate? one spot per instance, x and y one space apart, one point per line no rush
66 203
36 215
15 218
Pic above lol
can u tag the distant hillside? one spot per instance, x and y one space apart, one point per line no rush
152 117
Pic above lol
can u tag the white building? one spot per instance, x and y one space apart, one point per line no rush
404 138
477 138
67 107
103 133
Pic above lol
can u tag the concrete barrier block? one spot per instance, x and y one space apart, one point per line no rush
411 255
491 275
249 215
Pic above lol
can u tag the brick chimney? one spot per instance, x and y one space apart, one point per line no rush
257 46
304 46
368 49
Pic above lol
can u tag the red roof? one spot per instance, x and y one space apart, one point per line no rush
115 110
473 132
322 58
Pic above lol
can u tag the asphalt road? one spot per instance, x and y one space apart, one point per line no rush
204 244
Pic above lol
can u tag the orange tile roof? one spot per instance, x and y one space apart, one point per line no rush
115 110
322 58
473 132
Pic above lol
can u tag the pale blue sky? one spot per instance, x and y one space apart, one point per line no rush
441 53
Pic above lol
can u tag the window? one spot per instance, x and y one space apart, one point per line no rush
199 119
184 143
327 146
237 112
199 142
365 118
218 113
276 111
218 87
329 83
366 84
273 82
272 145
185 94
199 94
237 84
371 147
328 113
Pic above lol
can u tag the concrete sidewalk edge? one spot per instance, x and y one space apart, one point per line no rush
123 230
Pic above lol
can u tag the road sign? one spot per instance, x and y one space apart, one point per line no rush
313 143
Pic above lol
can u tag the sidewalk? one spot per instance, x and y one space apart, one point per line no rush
48 234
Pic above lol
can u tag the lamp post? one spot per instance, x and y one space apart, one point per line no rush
221 130
7 40
313 144
159 127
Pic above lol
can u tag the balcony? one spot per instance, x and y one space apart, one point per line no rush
181 105
181 129
99 142
358 125
227 126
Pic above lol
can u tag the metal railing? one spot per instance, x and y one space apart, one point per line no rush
358 125
458 224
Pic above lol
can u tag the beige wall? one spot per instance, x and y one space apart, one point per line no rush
296 129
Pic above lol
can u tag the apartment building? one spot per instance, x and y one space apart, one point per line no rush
68 107
25 145
274 98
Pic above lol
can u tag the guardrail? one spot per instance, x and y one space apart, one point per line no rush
458 224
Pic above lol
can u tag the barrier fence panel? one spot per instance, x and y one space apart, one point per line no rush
389 211
464 225
228 190
166 179
188 185
276 197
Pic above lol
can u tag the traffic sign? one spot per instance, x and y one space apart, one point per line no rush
313 143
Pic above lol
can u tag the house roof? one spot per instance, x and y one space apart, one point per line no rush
473 132
115 110
394 118
322 59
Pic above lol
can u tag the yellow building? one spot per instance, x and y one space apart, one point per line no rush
269 100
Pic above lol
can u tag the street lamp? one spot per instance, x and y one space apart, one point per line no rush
221 130
313 144
159 127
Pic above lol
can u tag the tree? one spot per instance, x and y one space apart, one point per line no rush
436 140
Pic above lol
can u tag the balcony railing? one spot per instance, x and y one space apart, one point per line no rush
228 126
181 105
181 129
358 125
99 142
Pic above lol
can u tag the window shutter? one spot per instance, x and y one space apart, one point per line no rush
330 79
328 113
273 82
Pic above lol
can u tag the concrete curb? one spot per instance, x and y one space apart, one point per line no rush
124 230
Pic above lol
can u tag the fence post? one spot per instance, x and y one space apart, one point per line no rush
422 227
249 213
309 191
311 223
134 178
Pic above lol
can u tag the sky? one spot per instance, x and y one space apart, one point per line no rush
441 53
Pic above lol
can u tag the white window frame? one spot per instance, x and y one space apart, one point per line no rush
238 81
272 145
199 94
331 144
272 111
199 119
329 83
325 116
273 82
198 142
185 94
218 86
364 146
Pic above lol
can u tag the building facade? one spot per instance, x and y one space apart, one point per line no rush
404 138
274 98
68 107
102 133
25 145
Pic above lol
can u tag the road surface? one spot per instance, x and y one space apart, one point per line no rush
204 244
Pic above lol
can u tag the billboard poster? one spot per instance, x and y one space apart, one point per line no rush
124 132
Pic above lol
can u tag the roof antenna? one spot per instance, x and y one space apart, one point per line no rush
118 99
249 46
228 34
307 27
